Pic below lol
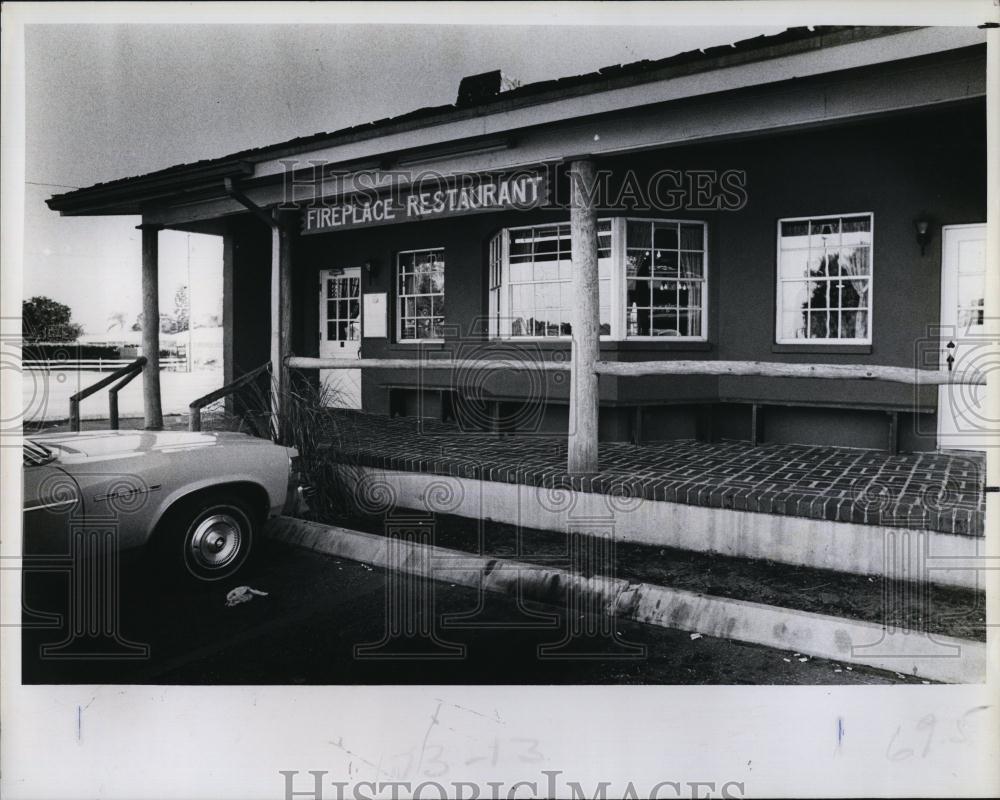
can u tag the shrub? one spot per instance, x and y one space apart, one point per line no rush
323 435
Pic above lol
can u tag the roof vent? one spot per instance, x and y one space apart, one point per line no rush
476 89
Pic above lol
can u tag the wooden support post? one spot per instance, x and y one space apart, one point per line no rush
756 425
495 418
893 432
281 321
286 304
228 313
152 406
275 352
637 420
113 410
584 399
704 423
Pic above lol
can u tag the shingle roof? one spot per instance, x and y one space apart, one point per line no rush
755 48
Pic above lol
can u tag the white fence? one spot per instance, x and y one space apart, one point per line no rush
96 364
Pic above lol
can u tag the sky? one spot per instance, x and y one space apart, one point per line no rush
105 101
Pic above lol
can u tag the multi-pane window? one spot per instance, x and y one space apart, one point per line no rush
539 282
651 280
343 309
971 284
420 294
824 279
496 260
664 279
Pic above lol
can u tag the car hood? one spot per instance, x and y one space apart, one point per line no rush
98 445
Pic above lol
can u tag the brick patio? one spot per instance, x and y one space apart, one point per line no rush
925 491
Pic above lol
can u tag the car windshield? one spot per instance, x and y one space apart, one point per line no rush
36 454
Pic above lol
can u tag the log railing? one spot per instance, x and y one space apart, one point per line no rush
125 374
195 407
630 369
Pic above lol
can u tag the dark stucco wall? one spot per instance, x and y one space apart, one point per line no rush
246 305
927 163
916 165
249 242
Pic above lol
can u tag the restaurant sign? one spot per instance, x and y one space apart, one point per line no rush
430 200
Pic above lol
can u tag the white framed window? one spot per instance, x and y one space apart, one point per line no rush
824 285
665 276
420 295
536 288
650 285
497 257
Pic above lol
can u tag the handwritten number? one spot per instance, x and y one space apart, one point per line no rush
899 755
927 722
531 753
404 773
962 738
437 751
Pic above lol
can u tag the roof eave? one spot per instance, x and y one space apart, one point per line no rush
185 182
130 195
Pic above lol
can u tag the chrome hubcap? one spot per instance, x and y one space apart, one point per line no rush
216 541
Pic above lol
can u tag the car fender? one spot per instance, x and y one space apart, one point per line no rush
127 486
218 484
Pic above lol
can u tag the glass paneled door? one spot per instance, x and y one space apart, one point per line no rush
964 420
340 335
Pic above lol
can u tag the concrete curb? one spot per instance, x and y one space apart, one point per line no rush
932 657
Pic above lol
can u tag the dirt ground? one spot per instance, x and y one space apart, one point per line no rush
906 606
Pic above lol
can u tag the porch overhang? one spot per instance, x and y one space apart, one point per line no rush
798 79
176 186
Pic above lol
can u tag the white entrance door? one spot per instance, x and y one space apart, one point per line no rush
340 335
963 419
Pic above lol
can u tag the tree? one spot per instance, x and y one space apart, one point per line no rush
117 320
508 83
46 320
177 322
182 309
167 323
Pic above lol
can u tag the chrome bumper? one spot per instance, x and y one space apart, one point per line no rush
296 502
298 492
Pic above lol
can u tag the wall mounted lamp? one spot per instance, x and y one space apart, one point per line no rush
923 228
370 269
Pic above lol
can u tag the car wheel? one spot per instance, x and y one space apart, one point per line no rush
211 538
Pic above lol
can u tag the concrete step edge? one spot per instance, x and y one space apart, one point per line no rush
848 641
861 549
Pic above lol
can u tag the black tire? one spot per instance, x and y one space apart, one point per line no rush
207 538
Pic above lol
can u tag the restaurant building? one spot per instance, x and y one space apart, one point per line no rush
818 196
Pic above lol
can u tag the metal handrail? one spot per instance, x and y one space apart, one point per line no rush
126 374
195 406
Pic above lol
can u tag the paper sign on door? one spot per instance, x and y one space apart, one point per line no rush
375 316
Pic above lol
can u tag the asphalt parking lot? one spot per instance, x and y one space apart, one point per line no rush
329 621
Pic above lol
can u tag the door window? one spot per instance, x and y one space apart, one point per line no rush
343 309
